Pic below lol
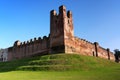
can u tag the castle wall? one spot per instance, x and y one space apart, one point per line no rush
105 53
83 47
112 57
79 46
30 48
60 40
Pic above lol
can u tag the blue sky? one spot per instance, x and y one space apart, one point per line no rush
94 20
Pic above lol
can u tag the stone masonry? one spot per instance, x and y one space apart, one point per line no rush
60 40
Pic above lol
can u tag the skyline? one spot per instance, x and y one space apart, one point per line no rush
95 21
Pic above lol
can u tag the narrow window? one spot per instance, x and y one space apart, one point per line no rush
93 53
55 21
68 21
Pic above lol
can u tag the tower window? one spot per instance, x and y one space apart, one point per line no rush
55 21
68 21
93 53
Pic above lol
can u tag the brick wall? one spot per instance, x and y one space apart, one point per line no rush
60 40
83 47
30 48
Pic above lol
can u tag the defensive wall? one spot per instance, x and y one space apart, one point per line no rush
36 46
84 47
60 40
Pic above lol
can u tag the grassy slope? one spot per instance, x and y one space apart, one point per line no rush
60 67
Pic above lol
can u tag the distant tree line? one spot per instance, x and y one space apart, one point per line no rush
117 55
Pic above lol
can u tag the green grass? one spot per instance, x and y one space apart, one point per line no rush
67 75
60 67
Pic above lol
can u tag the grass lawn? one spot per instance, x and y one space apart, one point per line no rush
66 75
60 67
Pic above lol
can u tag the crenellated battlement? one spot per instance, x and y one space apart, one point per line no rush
62 12
83 40
69 14
31 41
85 47
60 40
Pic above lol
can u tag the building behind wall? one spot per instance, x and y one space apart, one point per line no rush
3 55
60 40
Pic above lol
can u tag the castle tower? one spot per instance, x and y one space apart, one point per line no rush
61 28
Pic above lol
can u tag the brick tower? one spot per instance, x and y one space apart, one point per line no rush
61 29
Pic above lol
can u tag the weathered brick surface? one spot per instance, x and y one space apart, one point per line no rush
61 39
27 49
81 46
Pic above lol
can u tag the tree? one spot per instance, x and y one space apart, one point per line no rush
117 55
